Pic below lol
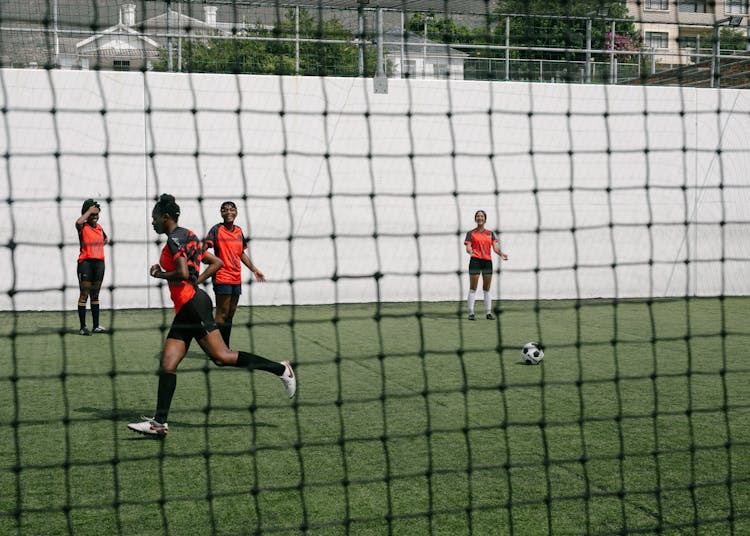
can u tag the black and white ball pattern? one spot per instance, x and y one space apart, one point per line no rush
532 353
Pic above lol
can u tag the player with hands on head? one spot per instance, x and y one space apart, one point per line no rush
179 265
230 245
480 243
90 269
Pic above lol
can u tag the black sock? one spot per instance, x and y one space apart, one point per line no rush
167 384
82 315
226 332
95 313
253 361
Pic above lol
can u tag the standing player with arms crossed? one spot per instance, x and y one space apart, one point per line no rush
480 243
230 245
92 239
180 264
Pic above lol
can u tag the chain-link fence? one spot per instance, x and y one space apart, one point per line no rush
253 38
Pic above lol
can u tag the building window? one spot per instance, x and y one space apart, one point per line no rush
121 65
737 7
657 39
692 6
688 38
410 69
441 71
662 5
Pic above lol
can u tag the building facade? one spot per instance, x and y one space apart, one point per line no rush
679 32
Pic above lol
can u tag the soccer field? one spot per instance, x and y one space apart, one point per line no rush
408 420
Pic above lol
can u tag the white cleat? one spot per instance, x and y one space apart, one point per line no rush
288 379
149 427
99 329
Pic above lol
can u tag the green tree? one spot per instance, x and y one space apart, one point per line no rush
445 30
264 51
730 39
553 24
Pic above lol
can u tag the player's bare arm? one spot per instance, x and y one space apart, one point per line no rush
214 264
180 272
254 269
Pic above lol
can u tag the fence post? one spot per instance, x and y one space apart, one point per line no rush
507 48
296 40
588 51
401 47
380 83
612 75
697 49
653 60
179 37
169 40
360 40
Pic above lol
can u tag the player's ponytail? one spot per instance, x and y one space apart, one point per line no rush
166 204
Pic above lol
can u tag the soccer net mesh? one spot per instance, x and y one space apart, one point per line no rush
611 158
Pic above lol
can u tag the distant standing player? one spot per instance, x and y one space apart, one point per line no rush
480 243
92 239
230 245
179 264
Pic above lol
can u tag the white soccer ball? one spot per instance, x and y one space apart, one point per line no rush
532 353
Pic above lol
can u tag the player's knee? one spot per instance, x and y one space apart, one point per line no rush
221 359
167 368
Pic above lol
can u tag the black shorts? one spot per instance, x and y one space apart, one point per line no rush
225 289
195 319
91 271
480 266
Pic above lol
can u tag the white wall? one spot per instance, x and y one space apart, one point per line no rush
602 200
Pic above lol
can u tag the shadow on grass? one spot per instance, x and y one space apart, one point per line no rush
124 415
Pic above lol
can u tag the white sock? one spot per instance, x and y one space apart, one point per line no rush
487 302
470 300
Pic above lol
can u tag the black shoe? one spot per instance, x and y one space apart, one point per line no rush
490 317
472 317
84 331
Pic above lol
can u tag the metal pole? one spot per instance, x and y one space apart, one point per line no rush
653 60
507 48
57 38
379 70
588 51
697 48
715 58
403 32
380 82
296 40
424 51
179 37
170 67
361 40
612 67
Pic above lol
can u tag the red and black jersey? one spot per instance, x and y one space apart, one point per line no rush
182 243
91 240
481 243
229 247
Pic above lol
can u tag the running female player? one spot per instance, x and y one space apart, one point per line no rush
91 238
229 244
180 264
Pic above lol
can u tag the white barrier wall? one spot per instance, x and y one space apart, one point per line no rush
635 191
